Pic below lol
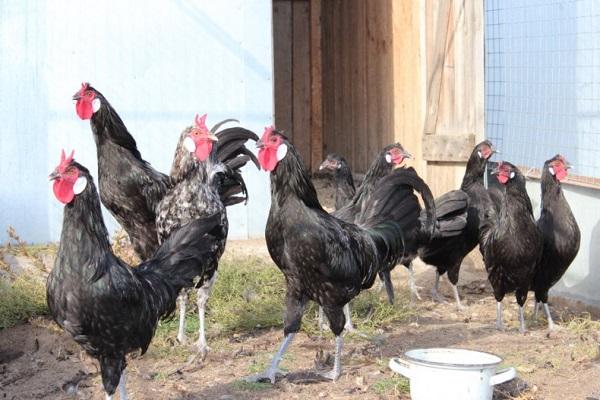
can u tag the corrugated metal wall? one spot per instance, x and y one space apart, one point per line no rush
158 63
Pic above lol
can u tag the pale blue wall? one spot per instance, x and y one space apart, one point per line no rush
542 91
157 62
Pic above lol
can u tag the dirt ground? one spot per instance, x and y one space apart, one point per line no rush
38 361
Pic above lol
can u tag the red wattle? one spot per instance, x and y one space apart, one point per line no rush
203 149
84 109
560 173
63 190
267 158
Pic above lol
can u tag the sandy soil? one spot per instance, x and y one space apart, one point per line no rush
38 361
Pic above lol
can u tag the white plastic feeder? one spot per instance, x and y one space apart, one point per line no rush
451 374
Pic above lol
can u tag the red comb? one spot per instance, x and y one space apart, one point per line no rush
65 161
84 87
201 123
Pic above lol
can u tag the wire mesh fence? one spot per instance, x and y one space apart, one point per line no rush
542 82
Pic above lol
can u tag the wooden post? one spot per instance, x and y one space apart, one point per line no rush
316 85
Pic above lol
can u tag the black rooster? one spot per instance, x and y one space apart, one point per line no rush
510 241
129 187
108 307
343 182
206 169
323 258
560 231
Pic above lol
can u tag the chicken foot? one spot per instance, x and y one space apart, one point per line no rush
271 373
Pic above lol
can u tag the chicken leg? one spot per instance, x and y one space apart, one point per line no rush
182 300
434 291
348 326
551 325
202 299
414 289
335 373
499 322
522 328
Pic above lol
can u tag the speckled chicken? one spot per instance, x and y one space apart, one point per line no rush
110 308
560 231
206 178
510 241
323 258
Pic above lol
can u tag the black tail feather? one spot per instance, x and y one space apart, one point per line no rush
232 152
451 215
186 254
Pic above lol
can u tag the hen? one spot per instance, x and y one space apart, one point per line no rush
323 258
108 307
207 176
560 231
510 241
343 182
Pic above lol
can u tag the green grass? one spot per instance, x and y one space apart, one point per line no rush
391 385
21 299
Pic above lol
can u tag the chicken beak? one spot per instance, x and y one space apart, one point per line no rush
406 154
76 96
54 176
260 144
213 137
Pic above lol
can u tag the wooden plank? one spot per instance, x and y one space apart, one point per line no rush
448 147
435 68
301 78
361 159
379 76
477 71
409 87
442 177
282 56
328 94
316 72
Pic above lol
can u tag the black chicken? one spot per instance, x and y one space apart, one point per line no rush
108 307
446 253
510 241
206 169
560 231
323 258
129 187
343 182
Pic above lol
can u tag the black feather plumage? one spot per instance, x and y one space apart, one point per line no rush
108 307
559 229
129 187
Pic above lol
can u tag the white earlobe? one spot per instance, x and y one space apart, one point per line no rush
189 144
80 185
96 104
388 158
512 174
551 170
281 151
479 154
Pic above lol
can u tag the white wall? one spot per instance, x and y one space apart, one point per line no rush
582 279
157 62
